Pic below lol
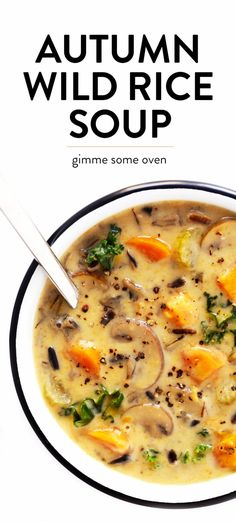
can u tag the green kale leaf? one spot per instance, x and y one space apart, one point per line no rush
106 249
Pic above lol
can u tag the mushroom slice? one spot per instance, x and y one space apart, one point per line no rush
135 289
90 279
152 417
131 364
220 234
65 322
111 301
144 346
55 392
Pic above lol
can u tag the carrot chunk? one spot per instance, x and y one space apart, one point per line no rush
112 438
225 450
201 363
227 283
179 309
86 356
152 247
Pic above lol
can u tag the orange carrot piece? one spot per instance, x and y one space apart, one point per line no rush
227 283
225 450
112 438
152 247
201 363
180 310
86 355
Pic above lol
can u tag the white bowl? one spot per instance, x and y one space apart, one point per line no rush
50 433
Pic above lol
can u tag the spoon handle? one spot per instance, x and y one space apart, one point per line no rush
37 244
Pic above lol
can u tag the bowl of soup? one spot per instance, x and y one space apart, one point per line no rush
134 391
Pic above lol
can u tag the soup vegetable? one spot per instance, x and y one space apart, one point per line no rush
142 375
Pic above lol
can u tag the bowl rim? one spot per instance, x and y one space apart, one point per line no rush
182 184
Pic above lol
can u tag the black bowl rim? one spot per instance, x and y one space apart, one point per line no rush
182 184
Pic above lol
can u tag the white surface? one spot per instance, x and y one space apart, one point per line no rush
36 161
37 245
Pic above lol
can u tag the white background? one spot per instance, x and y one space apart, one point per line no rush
36 160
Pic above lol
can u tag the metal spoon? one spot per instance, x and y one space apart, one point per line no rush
37 244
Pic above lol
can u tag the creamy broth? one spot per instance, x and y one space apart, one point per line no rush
142 374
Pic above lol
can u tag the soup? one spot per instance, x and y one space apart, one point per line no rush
142 374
